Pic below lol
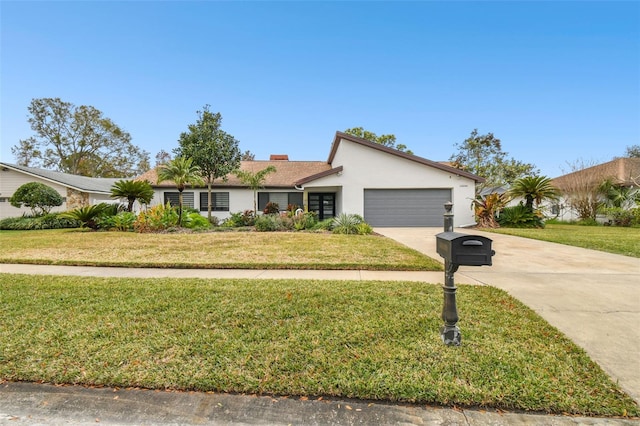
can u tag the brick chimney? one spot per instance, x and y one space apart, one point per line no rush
279 157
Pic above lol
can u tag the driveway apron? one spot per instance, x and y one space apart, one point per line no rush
591 296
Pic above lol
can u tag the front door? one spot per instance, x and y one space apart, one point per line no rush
323 204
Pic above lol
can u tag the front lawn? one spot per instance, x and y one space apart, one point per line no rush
369 340
612 239
250 250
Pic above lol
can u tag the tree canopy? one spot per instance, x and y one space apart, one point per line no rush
482 155
213 151
633 151
78 140
40 198
386 140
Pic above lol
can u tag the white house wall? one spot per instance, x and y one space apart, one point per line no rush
10 181
239 199
367 168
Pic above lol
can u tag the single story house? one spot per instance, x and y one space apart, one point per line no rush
389 188
76 191
624 172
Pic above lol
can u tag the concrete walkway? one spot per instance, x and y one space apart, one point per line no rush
592 297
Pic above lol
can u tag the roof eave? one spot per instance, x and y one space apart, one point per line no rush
341 135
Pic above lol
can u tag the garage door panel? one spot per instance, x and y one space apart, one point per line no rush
405 207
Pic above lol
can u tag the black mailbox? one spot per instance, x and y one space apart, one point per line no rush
464 249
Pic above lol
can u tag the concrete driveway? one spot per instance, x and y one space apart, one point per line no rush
592 297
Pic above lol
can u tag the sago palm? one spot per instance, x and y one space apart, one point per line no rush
132 190
182 172
534 188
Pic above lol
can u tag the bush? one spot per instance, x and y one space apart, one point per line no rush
307 220
88 215
39 197
350 224
619 216
157 218
268 223
324 225
49 221
123 221
194 220
238 219
271 208
520 217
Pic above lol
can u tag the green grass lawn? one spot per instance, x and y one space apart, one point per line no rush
251 250
370 340
612 239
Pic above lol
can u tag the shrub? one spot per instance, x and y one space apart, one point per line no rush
619 216
194 220
520 217
88 215
268 223
49 221
238 219
271 208
123 221
157 218
307 220
350 224
324 225
636 216
39 197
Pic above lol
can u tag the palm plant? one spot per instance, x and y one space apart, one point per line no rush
534 188
87 215
254 181
182 172
132 190
486 207
619 196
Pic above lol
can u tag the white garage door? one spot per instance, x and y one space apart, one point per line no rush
405 207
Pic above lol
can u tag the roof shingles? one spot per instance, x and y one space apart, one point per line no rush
286 175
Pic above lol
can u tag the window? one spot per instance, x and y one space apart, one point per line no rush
219 201
282 198
173 199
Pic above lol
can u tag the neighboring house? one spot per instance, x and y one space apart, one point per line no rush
76 191
386 186
621 171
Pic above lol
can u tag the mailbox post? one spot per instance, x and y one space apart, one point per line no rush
457 249
449 332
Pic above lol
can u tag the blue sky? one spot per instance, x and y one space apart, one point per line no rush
555 81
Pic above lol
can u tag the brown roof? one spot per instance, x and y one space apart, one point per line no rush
440 166
287 173
623 171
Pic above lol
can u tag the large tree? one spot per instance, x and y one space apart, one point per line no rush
182 172
214 151
78 140
482 155
386 140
